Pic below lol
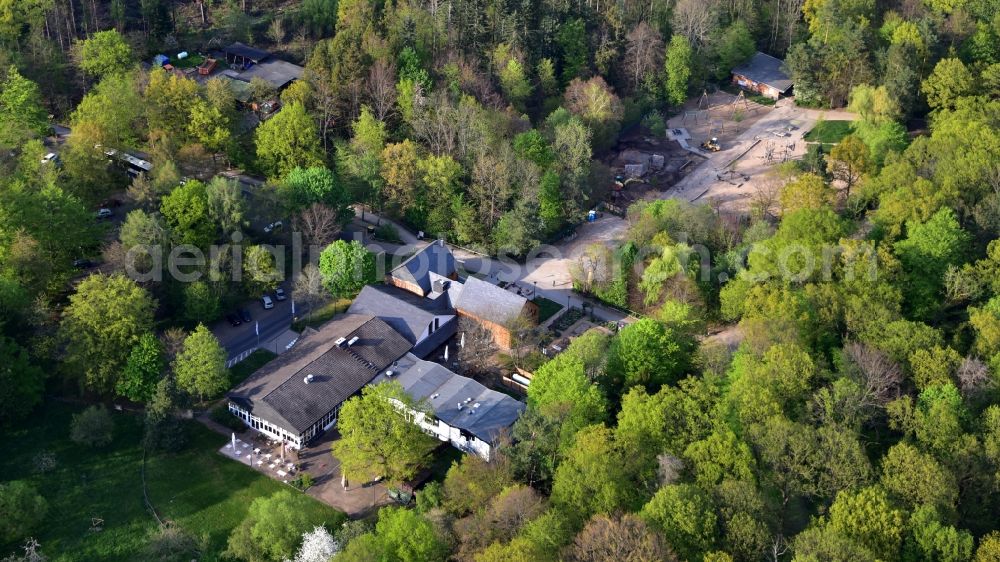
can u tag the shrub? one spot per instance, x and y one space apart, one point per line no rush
22 508
220 414
92 427
388 233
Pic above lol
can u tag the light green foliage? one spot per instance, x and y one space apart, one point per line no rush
593 477
646 353
667 421
531 145
936 540
720 456
472 483
187 214
440 175
550 202
273 527
92 427
304 186
105 53
142 370
686 517
936 420
678 68
170 103
949 81
287 140
401 535
868 518
989 548
23 508
929 248
874 104
934 366
917 478
106 316
21 382
22 115
208 125
807 191
200 367
772 384
377 439
561 389
882 140
735 46
346 267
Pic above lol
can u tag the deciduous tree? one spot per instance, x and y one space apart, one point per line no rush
200 367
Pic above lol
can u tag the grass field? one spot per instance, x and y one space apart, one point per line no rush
828 131
198 489
546 308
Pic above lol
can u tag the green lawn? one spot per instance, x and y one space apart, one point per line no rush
240 371
198 489
546 308
829 131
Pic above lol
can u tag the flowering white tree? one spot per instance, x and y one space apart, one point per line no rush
318 545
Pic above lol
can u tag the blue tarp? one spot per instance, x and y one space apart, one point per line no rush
160 60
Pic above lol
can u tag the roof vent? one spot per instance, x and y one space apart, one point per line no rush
308 379
353 341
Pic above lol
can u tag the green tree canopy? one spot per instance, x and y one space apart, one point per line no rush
22 114
24 510
106 317
187 214
143 369
105 53
378 439
21 382
346 267
200 367
287 140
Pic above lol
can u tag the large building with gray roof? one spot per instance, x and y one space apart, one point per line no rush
298 394
764 75
425 323
460 410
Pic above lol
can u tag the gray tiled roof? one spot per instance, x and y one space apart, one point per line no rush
407 313
434 257
765 69
242 50
443 391
276 72
278 393
487 301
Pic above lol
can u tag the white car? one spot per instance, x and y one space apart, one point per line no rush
104 213
267 302
50 157
279 294
276 225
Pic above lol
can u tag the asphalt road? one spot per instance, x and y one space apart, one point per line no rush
241 338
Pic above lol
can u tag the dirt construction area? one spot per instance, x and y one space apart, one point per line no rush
751 137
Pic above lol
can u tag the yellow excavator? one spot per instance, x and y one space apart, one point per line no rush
712 144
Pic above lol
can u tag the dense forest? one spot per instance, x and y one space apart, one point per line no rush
858 419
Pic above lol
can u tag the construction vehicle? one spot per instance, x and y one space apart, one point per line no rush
712 144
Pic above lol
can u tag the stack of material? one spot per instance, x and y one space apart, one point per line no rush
635 170
656 162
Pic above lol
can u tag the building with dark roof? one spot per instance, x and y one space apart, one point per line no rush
275 72
299 394
465 413
415 273
497 309
240 54
425 323
763 74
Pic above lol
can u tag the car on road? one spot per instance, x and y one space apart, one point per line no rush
245 315
279 294
105 213
233 319
267 302
50 157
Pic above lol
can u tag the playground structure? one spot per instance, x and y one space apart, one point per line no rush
707 111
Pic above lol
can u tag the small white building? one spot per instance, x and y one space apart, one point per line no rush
462 411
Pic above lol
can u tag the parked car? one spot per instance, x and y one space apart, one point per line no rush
104 213
245 315
267 302
276 225
279 294
233 319
82 263
50 157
